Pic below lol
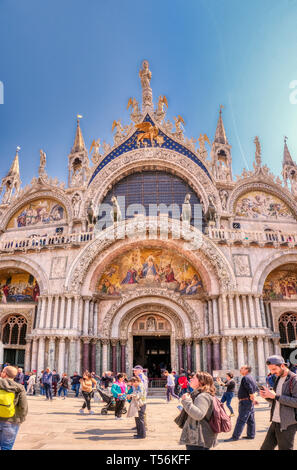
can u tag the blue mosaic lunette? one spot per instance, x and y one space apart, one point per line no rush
131 144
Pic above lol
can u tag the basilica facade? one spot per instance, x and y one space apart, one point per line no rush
151 253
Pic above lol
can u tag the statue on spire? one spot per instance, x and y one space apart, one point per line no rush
145 78
41 170
258 153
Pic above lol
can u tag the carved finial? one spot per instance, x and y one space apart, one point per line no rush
258 152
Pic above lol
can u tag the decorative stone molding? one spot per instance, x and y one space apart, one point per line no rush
34 194
215 257
253 184
156 159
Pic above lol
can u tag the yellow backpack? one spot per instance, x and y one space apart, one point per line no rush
7 409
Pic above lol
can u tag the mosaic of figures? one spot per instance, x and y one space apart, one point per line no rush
260 205
150 323
18 287
281 284
44 211
150 268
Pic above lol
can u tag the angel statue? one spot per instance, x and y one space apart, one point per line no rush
135 115
92 219
202 139
96 155
179 133
148 131
119 129
161 103
106 147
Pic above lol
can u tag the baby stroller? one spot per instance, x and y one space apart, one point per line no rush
109 400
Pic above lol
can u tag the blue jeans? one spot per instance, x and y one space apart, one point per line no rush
227 397
8 433
246 416
48 391
170 391
75 388
64 391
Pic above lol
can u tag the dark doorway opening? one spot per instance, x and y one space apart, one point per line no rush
14 357
153 353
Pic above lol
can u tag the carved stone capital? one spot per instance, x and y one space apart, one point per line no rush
105 341
216 339
114 341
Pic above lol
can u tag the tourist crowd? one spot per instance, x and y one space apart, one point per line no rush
202 415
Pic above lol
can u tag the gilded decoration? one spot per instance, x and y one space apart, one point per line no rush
261 205
147 267
281 284
41 212
18 286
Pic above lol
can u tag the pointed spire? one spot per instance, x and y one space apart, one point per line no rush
79 143
287 159
220 136
15 167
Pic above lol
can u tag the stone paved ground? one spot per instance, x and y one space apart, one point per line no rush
57 425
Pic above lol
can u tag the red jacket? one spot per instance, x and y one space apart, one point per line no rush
183 381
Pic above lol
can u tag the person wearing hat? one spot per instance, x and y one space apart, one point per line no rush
283 413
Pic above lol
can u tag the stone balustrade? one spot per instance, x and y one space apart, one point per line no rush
38 243
256 237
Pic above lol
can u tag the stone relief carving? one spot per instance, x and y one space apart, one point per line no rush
242 265
58 267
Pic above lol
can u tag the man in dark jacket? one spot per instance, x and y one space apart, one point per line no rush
55 379
75 383
283 413
246 410
9 426
19 378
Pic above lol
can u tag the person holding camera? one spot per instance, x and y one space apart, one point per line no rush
283 413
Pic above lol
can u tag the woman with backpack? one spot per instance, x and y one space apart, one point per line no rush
197 433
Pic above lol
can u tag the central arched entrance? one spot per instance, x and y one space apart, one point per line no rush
152 334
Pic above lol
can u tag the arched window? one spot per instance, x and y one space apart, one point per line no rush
14 330
288 327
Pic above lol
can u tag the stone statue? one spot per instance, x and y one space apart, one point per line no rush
95 155
186 209
223 171
224 198
76 201
145 75
115 213
106 147
92 219
211 210
179 133
258 151
119 130
42 163
135 114
151 324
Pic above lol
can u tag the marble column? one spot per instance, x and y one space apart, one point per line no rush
62 313
209 318
86 356
197 355
98 358
277 348
91 318
180 354
231 310
266 348
86 316
27 355
209 355
78 355
34 354
51 353
56 309
245 312
261 359
123 355
238 311
41 349
68 314
114 343
42 312
230 353
204 354
252 311
189 354
224 358
49 312
216 353
240 353
72 367
93 355
61 357
260 321
39 305
95 328
105 343
216 314
76 312
251 353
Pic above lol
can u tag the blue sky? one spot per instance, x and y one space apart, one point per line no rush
63 57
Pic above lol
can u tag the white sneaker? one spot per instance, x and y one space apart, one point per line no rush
81 412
